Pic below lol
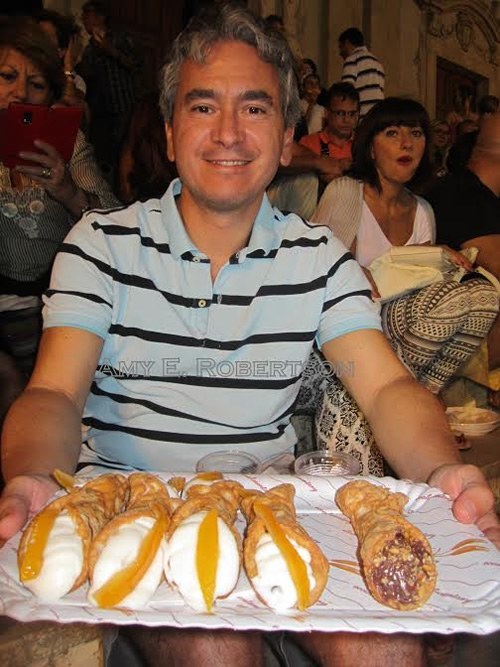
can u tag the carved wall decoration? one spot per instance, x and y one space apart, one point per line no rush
464 18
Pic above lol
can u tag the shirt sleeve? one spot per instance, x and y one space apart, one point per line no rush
81 290
348 305
87 175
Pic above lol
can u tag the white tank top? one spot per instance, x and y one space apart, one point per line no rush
371 242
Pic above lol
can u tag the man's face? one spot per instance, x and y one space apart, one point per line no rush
344 49
92 20
228 135
342 117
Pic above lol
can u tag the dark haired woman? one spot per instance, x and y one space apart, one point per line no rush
434 329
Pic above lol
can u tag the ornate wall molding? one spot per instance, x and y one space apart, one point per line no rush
462 19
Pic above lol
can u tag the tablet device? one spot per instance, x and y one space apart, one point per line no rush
21 124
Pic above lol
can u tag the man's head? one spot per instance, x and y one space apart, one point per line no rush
59 28
231 24
342 110
487 105
485 158
229 97
350 39
94 15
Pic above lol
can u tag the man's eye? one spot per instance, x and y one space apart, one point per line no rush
255 111
202 108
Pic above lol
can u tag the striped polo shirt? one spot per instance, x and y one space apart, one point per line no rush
188 365
366 73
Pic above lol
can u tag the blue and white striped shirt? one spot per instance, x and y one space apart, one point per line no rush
189 365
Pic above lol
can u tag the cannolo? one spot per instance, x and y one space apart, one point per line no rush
54 548
126 558
204 548
285 566
396 557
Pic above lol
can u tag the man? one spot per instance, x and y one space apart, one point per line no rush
63 33
342 112
206 277
467 208
361 69
109 64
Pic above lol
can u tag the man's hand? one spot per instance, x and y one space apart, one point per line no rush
473 500
22 496
330 168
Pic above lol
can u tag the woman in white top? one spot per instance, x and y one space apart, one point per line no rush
434 329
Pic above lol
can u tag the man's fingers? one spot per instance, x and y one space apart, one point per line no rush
14 511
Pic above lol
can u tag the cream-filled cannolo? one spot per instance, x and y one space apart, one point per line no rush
286 568
203 553
126 558
54 549
396 557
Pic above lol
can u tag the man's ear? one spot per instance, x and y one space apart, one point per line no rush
170 142
286 151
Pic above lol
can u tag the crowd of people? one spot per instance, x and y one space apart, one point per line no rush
199 271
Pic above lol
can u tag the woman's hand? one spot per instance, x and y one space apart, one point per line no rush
457 258
53 175
50 172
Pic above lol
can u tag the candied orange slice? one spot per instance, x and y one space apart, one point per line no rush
294 562
211 476
30 565
207 556
63 479
124 581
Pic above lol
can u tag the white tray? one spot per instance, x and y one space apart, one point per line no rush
466 599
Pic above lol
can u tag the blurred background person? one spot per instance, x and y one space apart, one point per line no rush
109 65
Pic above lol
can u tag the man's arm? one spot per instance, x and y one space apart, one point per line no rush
410 426
304 160
42 430
489 252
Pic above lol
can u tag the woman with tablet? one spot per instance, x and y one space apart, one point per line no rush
42 195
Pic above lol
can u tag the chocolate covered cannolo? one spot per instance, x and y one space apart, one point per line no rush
396 557
126 558
53 554
204 548
284 564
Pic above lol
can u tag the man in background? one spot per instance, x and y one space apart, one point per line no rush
108 65
362 69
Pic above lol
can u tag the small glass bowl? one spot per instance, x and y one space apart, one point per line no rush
321 462
231 461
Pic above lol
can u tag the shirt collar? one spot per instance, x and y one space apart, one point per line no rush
264 234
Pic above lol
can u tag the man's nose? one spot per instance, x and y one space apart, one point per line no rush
228 129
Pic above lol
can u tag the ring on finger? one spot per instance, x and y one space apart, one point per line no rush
46 172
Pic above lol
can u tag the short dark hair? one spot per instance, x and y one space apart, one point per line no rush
391 111
25 36
488 104
352 35
64 25
344 90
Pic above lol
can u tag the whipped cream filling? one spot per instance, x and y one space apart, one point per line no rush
120 550
180 561
273 582
62 561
